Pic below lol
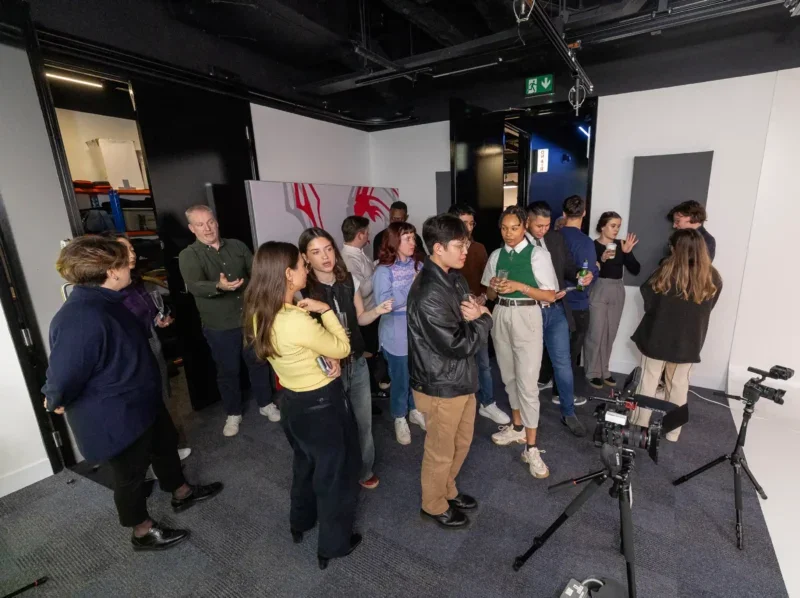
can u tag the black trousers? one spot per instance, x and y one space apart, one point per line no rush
157 446
576 340
322 431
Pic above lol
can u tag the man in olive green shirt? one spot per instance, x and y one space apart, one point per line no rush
216 272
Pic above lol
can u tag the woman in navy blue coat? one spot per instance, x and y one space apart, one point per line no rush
104 377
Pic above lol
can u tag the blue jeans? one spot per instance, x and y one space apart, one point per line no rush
485 387
360 395
401 401
556 339
227 350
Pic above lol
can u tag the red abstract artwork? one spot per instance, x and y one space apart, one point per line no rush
369 206
305 205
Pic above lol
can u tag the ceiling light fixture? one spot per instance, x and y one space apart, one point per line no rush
72 80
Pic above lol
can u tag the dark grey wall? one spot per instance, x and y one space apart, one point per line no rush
659 184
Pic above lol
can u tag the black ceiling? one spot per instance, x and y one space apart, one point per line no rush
329 53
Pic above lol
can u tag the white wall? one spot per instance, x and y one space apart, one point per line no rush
295 148
31 196
768 321
79 127
409 159
729 117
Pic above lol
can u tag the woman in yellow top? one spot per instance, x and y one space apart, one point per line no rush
315 413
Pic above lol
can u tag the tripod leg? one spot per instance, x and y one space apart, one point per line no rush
699 470
571 509
737 493
750 475
626 527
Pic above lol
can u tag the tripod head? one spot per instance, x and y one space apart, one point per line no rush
755 390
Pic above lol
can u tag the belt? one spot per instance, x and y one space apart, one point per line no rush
516 302
553 304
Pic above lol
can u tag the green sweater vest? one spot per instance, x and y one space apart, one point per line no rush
518 265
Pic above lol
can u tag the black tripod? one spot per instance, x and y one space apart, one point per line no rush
739 463
620 489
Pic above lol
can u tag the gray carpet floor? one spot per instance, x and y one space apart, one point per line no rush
65 527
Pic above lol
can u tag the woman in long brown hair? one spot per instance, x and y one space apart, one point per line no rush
399 261
315 412
678 299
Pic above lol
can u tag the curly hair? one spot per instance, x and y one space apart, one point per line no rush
87 260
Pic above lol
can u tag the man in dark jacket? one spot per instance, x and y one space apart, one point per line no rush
444 334
692 214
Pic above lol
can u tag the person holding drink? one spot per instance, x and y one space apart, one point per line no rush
607 297
520 277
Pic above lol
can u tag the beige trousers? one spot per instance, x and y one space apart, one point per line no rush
450 424
517 334
676 385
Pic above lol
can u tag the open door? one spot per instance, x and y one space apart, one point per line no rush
477 142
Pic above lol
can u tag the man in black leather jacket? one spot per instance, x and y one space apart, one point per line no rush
446 328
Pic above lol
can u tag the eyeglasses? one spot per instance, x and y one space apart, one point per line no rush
462 246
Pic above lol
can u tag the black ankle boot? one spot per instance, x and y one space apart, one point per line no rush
355 541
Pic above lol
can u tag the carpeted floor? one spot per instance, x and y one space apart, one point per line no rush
684 536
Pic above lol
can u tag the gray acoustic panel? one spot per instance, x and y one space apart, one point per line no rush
443 199
659 184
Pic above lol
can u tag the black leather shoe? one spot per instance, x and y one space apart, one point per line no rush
159 538
355 541
297 537
463 502
575 426
198 494
450 519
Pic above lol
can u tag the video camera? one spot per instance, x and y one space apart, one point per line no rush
613 420
754 390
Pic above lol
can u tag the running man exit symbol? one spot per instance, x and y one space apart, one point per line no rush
539 85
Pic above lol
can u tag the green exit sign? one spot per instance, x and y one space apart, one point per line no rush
539 85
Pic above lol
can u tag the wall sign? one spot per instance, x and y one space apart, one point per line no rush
538 85
542 158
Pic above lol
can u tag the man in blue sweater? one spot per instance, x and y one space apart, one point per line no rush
581 248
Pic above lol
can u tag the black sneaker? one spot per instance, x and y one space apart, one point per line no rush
610 381
198 494
159 538
575 426
596 383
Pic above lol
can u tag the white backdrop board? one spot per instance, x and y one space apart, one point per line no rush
281 211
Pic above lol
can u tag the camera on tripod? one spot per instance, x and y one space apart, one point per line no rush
613 416
754 390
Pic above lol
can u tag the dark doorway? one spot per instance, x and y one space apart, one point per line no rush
198 151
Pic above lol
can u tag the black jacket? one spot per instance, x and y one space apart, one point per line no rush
673 329
441 344
563 264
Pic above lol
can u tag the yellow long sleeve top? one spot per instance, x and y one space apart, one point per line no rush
299 339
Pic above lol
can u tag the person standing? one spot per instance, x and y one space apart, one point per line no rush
398 212
581 248
355 231
103 375
329 281
316 414
520 277
216 272
141 305
446 329
399 264
607 297
692 214
555 322
472 271
678 299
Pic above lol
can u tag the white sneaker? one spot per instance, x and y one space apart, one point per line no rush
416 417
183 453
232 425
494 413
401 431
545 385
508 435
533 458
673 436
577 401
272 412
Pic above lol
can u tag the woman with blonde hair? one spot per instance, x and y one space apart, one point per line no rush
316 415
678 299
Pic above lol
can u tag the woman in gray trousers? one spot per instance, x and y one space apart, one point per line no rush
607 297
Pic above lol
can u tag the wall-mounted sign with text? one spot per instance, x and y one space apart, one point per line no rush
542 157
542 84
